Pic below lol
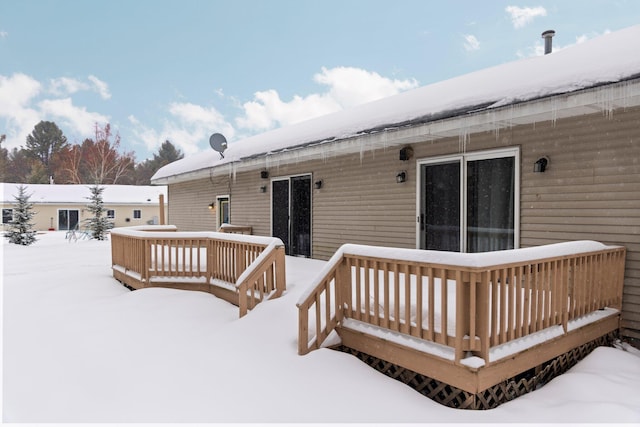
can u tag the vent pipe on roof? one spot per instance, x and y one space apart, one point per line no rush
547 36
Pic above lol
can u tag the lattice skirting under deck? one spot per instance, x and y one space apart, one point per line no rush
505 391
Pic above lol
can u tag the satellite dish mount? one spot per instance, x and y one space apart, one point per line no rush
218 142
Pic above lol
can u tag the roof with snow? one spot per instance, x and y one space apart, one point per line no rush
482 100
79 193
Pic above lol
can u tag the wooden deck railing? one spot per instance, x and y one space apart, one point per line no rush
467 302
251 268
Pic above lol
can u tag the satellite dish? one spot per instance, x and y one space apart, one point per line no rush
218 142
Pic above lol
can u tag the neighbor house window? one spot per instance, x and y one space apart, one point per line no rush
7 216
111 213
137 214
469 202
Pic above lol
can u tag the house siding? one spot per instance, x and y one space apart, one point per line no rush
189 205
590 191
46 215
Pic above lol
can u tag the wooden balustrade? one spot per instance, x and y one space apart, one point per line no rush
242 269
467 302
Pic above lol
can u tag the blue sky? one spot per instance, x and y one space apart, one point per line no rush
184 69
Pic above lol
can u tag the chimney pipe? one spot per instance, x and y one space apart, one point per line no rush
547 36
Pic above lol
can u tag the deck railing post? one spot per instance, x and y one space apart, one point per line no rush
483 314
343 285
463 312
280 271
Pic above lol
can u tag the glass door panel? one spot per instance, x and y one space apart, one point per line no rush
490 204
440 216
280 211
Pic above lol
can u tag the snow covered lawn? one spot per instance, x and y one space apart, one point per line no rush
79 347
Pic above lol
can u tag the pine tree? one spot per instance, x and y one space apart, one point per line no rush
21 230
98 224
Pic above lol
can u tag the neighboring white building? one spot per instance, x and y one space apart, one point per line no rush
63 207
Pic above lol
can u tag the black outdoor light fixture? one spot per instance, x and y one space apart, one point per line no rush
263 189
541 164
264 174
212 205
406 153
401 177
318 184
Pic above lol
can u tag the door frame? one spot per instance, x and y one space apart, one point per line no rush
289 178
220 201
464 158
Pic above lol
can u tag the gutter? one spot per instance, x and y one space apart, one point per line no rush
484 117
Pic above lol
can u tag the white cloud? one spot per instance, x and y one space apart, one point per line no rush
471 42
67 86
23 103
16 94
188 126
101 87
521 16
3 34
347 87
76 118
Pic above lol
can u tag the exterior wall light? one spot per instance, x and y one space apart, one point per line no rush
263 189
212 206
318 184
264 174
401 177
541 164
406 153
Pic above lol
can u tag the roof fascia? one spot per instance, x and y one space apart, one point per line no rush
603 98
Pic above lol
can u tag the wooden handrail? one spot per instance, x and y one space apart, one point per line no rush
251 265
468 302
263 279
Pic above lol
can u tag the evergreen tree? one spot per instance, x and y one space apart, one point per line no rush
167 153
21 230
98 223
44 143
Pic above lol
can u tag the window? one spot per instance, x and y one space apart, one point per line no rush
111 214
137 214
7 216
469 202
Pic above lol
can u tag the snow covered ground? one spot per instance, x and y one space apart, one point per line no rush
79 347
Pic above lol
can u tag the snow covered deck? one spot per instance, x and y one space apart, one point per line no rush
243 270
469 320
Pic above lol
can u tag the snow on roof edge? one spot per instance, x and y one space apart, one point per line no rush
569 70
79 193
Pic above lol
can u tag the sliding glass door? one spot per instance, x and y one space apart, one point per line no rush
468 203
291 213
68 219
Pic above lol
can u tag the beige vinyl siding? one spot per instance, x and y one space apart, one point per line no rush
189 205
249 206
46 214
590 191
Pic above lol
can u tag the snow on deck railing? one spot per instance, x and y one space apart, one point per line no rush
253 266
467 302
